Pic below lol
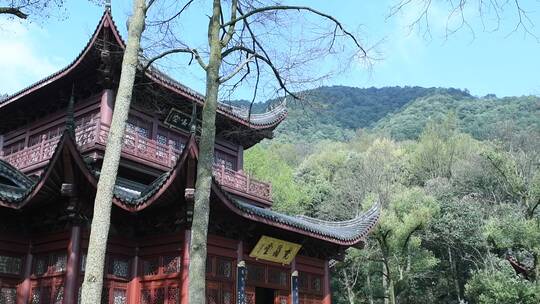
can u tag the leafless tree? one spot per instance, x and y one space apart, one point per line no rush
265 45
461 14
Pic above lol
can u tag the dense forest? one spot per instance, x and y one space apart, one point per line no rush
458 178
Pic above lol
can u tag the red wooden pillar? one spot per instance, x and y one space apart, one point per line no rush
106 107
184 291
327 294
26 285
134 288
71 290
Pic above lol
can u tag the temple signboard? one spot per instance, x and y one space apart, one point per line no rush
179 120
275 250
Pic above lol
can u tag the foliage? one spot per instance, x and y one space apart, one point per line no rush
457 199
498 284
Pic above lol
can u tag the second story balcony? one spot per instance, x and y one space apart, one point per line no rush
92 136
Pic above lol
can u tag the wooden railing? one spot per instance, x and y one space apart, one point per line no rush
90 135
241 182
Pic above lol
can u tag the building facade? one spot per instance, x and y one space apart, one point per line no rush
52 138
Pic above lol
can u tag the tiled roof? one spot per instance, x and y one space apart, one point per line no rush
16 189
349 231
257 121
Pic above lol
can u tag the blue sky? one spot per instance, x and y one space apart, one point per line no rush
498 62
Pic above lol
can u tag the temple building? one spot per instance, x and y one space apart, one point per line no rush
52 141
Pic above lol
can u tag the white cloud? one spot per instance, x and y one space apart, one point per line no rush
22 61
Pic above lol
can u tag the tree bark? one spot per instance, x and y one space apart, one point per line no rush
93 277
13 11
370 291
201 210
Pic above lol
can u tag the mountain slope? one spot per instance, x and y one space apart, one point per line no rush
480 117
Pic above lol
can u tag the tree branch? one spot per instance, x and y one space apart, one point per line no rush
265 60
13 11
193 53
237 69
230 30
298 8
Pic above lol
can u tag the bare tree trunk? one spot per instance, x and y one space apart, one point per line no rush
93 277
201 211
370 291
388 283
349 287
385 283
454 275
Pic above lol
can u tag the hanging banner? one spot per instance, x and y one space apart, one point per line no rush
275 250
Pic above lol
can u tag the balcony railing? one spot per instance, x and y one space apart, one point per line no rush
94 134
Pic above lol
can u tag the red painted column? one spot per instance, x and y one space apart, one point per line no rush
26 285
71 289
134 288
327 293
106 107
184 291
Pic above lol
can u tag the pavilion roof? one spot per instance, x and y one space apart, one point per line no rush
268 120
17 191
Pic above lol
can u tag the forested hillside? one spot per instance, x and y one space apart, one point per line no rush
401 112
458 178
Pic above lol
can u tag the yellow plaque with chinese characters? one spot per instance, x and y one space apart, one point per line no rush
275 250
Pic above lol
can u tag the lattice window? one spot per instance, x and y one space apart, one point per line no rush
173 295
40 265
255 273
49 134
227 297
151 266
119 267
277 277
146 296
48 294
10 264
59 262
171 264
224 268
315 283
50 263
303 280
138 126
8 295
58 297
159 296
119 296
212 295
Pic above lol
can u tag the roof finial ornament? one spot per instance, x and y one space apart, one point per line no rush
108 5
70 119
193 122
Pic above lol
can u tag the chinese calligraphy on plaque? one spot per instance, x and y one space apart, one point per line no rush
179 120
275 250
